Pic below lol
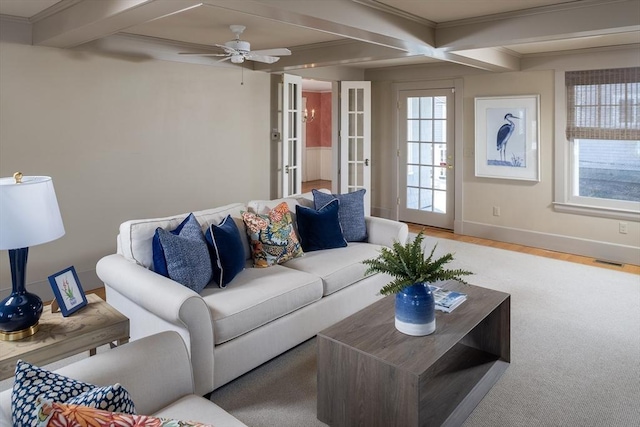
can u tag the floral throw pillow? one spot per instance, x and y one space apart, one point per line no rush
273 239
54 414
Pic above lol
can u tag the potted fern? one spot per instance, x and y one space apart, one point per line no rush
412 272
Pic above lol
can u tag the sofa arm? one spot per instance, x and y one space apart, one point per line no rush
137 366
182 308
382 231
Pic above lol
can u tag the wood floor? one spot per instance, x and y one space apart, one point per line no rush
448 234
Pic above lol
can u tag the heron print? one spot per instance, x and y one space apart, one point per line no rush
505 129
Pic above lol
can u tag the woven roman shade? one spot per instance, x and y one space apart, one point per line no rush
603 104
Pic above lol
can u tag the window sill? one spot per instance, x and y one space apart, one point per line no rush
601 212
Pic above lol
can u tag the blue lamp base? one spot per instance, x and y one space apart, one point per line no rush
21 310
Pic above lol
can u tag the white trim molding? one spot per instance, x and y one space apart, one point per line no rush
601 212
602 251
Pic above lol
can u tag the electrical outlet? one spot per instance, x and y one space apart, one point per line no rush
622 227
496 211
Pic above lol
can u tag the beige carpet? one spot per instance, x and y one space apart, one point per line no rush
575 350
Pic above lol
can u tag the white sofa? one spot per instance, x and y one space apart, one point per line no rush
262 313
156 371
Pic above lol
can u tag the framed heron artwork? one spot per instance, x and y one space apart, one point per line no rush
507 144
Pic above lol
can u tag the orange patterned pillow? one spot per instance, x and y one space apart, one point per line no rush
53 414
273 239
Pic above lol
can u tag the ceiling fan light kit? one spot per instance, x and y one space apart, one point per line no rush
237 51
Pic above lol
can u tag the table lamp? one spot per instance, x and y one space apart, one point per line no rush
29 216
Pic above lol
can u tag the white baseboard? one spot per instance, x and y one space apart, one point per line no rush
604 251
88 280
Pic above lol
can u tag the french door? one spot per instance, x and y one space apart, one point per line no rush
355 139
290 167
426 148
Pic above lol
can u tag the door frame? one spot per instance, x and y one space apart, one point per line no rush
459 150
345 87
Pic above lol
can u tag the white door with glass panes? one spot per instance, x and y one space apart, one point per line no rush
355 139
426 149
291 152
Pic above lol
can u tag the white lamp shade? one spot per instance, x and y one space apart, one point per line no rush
29 213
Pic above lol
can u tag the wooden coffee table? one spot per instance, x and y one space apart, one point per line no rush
369 374
58 337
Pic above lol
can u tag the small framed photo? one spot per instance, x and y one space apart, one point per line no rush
508 137
68 291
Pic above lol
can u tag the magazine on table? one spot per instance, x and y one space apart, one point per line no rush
446 300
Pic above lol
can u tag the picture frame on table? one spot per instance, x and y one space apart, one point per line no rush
507 137
68 291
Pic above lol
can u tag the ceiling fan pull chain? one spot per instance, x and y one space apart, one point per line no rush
242 68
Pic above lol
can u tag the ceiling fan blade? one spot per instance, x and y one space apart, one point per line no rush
202 54
262 58
282 51
227 49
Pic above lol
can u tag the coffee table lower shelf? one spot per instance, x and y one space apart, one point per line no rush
369 374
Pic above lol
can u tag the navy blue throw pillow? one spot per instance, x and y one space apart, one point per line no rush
351 212
320 229
227 252
183 254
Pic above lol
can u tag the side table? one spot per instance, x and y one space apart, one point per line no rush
94 325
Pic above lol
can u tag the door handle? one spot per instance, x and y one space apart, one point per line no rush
366 162
286 169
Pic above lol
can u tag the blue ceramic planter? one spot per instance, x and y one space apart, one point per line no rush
415 310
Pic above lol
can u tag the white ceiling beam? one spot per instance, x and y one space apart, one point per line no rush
341 17
358 21
90 20
330 54
490 59
588 18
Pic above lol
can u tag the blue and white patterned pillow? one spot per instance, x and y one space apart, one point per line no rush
351 212
31 382
184 255
112 398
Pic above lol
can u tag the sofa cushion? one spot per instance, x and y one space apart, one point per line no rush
135 236
320 229
338 268
227 252
185 408
183 254
31 381
56 414
351 212
272 237
258 296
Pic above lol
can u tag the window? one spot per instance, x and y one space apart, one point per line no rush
603 132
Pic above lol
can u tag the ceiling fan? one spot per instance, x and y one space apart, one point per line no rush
239 50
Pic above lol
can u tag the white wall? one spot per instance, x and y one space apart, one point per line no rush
527 215
126 138
318 163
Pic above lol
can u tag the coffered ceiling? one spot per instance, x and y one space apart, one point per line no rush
487 34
